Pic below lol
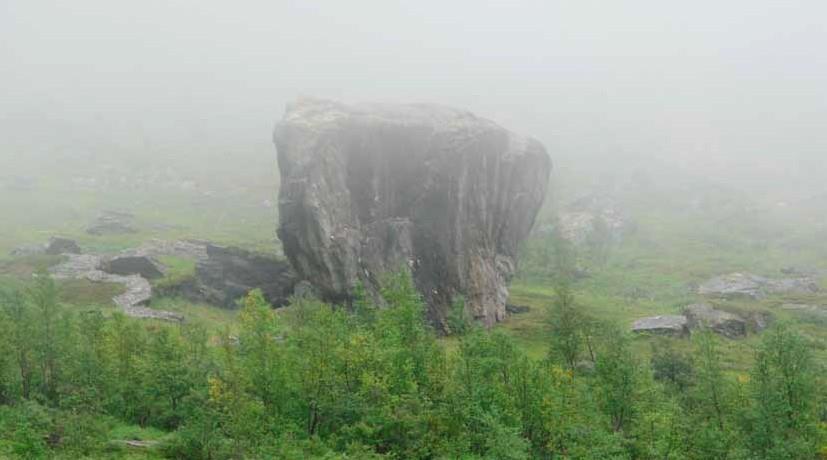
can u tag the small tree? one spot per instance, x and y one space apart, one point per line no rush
781 422
566 323
458 321
670 367
616 372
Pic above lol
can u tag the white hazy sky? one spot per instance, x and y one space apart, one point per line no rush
706 83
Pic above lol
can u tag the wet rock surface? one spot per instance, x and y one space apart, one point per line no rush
185 249
369 189
703 315
747 285
517 309
671 325
228 273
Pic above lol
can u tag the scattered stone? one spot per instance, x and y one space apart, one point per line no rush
369 189
590 217
112 223
138 291
185 249
672 325
228 274
28 250
736 285
136 444
55 246
76 266
516 309
58 245
145 266
758 321
703 315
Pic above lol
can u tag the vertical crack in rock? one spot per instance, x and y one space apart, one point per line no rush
368 189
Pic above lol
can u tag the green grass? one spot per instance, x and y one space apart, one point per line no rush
85 293
655 268
674 245
178 270
213 318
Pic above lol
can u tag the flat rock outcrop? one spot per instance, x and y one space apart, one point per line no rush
137 290
55 246
735 285
127 264
369 189
672 325
185 249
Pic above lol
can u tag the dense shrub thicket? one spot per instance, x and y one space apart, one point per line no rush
312 381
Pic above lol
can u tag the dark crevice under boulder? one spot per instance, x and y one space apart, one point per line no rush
228 273
371 189
144 266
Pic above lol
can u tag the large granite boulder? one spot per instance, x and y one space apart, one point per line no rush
228 273
702 315
369 189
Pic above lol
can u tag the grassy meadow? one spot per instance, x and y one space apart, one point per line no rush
682 230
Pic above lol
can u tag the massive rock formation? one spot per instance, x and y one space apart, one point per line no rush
369 189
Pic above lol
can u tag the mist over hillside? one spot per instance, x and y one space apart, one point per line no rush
370 229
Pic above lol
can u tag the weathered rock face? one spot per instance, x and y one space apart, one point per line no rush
703 315
58 245
671 325
753 286
227 274
372 188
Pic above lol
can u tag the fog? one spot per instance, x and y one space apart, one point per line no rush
729 90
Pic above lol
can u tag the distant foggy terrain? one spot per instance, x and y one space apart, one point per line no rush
661 294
